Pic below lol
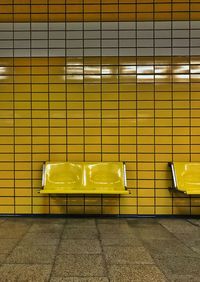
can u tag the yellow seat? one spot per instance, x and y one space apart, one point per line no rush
186 177
84 178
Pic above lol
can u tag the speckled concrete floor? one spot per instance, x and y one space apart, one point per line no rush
99 250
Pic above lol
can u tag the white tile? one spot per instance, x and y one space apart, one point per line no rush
162 33
39 44
127 52
181 42
39 52
92 25
110 43
180 33
6 26
180 24
39 26
57 43
109 34
127 34
57 52
74 43
74 34
91 34
22 26
195 33
22 52
163 42
39 34
145 51
57 26
127 42
6 53
195 51
109 25
145 34
163 51
22 34
92 43
6 44
6 35
22 44
180 52
127 25
144 43
57 34
163 24
74 52
144 25
74 26
110 52
92 52
195 24
195 42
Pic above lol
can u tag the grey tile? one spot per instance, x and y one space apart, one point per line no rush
142 221
117 221
12 233
122 242
136 273
184 278
79 233
77 222
126 255
32 254
173 265
118 236
46 228
152 232
162 248
2 258
40 239
194 221
25 272
114 228
49 220
79 265
79 279
79 247
178 225
6 245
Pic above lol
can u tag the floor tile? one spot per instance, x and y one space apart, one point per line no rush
79 279
25 272
6 245
116 221
114 228
40 239
32 254
155 232
134 242
163 248
173 265
79 265
79 246
46 228
178 225
194 221
80 233
121 236
12 233
126 255
136 273
74 222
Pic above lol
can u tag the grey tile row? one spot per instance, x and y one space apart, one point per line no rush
101 250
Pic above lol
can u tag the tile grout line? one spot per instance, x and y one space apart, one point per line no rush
56 252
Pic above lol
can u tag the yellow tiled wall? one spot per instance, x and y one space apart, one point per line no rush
143 111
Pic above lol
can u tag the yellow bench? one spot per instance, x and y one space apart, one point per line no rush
84 178
186 177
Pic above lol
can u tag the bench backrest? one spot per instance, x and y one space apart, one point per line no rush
186 176
84 175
